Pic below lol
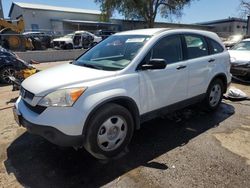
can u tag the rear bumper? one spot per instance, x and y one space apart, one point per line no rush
50 133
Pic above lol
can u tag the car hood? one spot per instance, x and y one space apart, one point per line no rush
62 39
97 39
62 76
239 57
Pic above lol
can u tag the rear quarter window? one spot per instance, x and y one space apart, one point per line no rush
215 47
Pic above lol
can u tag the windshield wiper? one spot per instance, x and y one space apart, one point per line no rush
91 66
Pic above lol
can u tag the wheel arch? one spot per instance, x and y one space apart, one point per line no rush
223 78
124 101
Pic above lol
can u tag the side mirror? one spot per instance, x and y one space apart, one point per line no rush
154 64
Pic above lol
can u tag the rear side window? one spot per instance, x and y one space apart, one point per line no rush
215 47
168 48
196 46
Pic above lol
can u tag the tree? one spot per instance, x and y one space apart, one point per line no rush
146 10
245 8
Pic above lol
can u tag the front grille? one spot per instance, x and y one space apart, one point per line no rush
238 72
37 109
26 94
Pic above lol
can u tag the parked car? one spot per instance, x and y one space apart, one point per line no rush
78 39
232 40
9 63
104 33
129 78
40 40
240 58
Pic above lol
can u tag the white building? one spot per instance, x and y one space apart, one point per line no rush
64 20
227 27
57 19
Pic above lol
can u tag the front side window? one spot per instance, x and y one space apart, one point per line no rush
114 53
168 48
77 39
196 46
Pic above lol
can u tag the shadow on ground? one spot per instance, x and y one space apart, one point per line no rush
37 163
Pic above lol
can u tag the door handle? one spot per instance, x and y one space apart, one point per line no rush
211 60
181 67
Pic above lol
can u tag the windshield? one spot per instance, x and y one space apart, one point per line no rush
69 35
114 53
244 45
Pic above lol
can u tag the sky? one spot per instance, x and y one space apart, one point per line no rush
198 11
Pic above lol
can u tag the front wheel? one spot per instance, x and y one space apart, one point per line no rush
214 95
5 73
110 130
69 46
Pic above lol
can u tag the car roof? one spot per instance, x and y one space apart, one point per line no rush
248 39
154 31
33 32
150 31
81 31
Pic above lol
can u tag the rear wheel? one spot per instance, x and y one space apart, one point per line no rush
109 131
214 95
5 72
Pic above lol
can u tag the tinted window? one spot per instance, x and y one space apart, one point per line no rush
168 48
215 47
196 46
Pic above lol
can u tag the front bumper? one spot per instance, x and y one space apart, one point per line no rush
240 71
61 126
50 133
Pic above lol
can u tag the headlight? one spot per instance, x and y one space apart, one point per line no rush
64 97
232 59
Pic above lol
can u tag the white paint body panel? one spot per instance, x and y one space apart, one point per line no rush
159 88
150 90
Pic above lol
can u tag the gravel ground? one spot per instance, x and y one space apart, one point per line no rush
187 149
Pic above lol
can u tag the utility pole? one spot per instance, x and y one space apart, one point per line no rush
248 25
1 9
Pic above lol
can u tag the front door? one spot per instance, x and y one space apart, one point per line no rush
160 88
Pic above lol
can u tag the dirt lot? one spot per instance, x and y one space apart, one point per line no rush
190 149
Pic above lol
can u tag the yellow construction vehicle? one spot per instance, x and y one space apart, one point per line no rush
10 34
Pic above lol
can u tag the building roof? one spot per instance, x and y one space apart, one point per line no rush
53 8
230 19
148 31
83 22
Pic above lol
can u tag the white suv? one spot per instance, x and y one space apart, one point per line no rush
101 98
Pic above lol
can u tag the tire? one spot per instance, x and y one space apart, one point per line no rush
109 131
5 72
15 40
214 95
69 46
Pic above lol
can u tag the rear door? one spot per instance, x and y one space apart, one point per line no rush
199 63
